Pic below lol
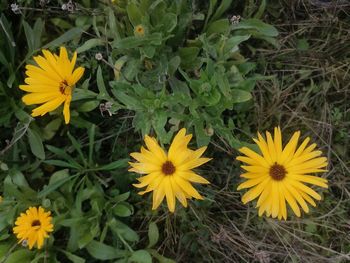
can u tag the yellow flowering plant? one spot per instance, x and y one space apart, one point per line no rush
277 175
51 82
169 174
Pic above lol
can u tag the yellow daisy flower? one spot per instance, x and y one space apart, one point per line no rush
278 174
169 174
51 82
33 226
139 30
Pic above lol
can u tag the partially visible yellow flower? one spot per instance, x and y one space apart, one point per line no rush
139 30
51 82
1 198
33 226
169 174
278 175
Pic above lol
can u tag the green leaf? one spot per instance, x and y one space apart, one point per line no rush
36 144
159 257
51 128
122 210
113 24
77 147
212 4
88 106
89 44
113 165
153 234
134 14
21 255
4 248
67 36
62 164
92 131
133 42
18 178
259 26
239 96
141 256
103 252
53 186
303 44
261 10
28 31
232 43
101 85
37 32
121 197
80 94
123 230
130 102
169 22
73 258
224 5
218 27
189 56
62 154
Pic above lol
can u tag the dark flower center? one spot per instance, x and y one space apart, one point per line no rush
63 86
36 223
277 172
168 168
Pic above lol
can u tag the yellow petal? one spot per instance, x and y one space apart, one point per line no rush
193 177
265 193
193 163
254 156
251 175
146 158
255 191
263 148
283 207
275 199
158 196
316 163
144 168
52 63
155 149
290 199
170 196
179 141
278 142
66 111
145 180
48 106
307 198
301 148
271 147
295 193
310 179
40 88
303 158
267 203
38 98
74 78
178 192
256 169
304 188
187 187
290 148
251 182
